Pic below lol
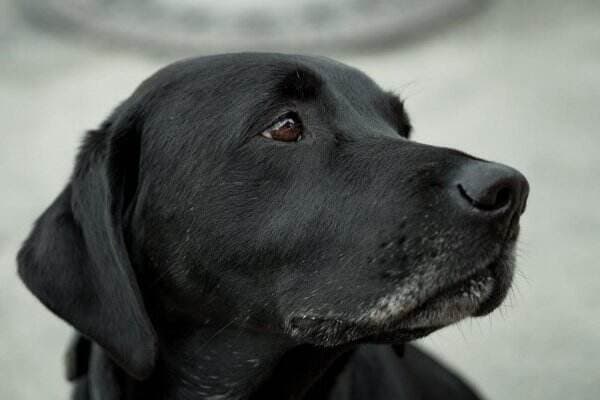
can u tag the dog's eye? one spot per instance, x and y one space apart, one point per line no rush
287 128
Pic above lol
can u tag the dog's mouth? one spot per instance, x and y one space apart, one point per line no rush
475 295
452 303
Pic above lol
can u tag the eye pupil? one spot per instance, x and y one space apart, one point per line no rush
287 129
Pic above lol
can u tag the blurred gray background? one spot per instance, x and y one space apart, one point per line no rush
515 81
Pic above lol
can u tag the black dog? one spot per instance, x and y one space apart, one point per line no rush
244 224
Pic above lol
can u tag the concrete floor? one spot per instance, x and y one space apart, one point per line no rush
518 84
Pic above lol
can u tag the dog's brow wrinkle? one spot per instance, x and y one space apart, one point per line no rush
300 84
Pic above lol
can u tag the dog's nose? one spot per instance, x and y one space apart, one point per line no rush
492 189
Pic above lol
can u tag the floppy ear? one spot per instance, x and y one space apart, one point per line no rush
75 259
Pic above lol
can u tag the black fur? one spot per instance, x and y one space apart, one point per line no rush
200 259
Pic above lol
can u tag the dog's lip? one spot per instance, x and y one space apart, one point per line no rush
481 291
449 304
452 303
474 295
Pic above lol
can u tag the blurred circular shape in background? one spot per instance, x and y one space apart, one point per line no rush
202 26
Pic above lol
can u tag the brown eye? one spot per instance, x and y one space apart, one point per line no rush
287 129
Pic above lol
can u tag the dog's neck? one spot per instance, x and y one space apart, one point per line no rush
231 364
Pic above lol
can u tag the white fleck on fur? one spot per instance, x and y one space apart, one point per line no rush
391 305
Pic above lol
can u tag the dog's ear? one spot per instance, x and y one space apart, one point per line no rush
75 259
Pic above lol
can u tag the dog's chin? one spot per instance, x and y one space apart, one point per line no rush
476 295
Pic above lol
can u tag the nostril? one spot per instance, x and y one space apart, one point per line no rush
492 199
503 197
492 188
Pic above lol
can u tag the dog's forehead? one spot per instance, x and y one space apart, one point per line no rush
227 97
259 73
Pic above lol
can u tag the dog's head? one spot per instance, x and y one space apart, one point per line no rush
277 194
